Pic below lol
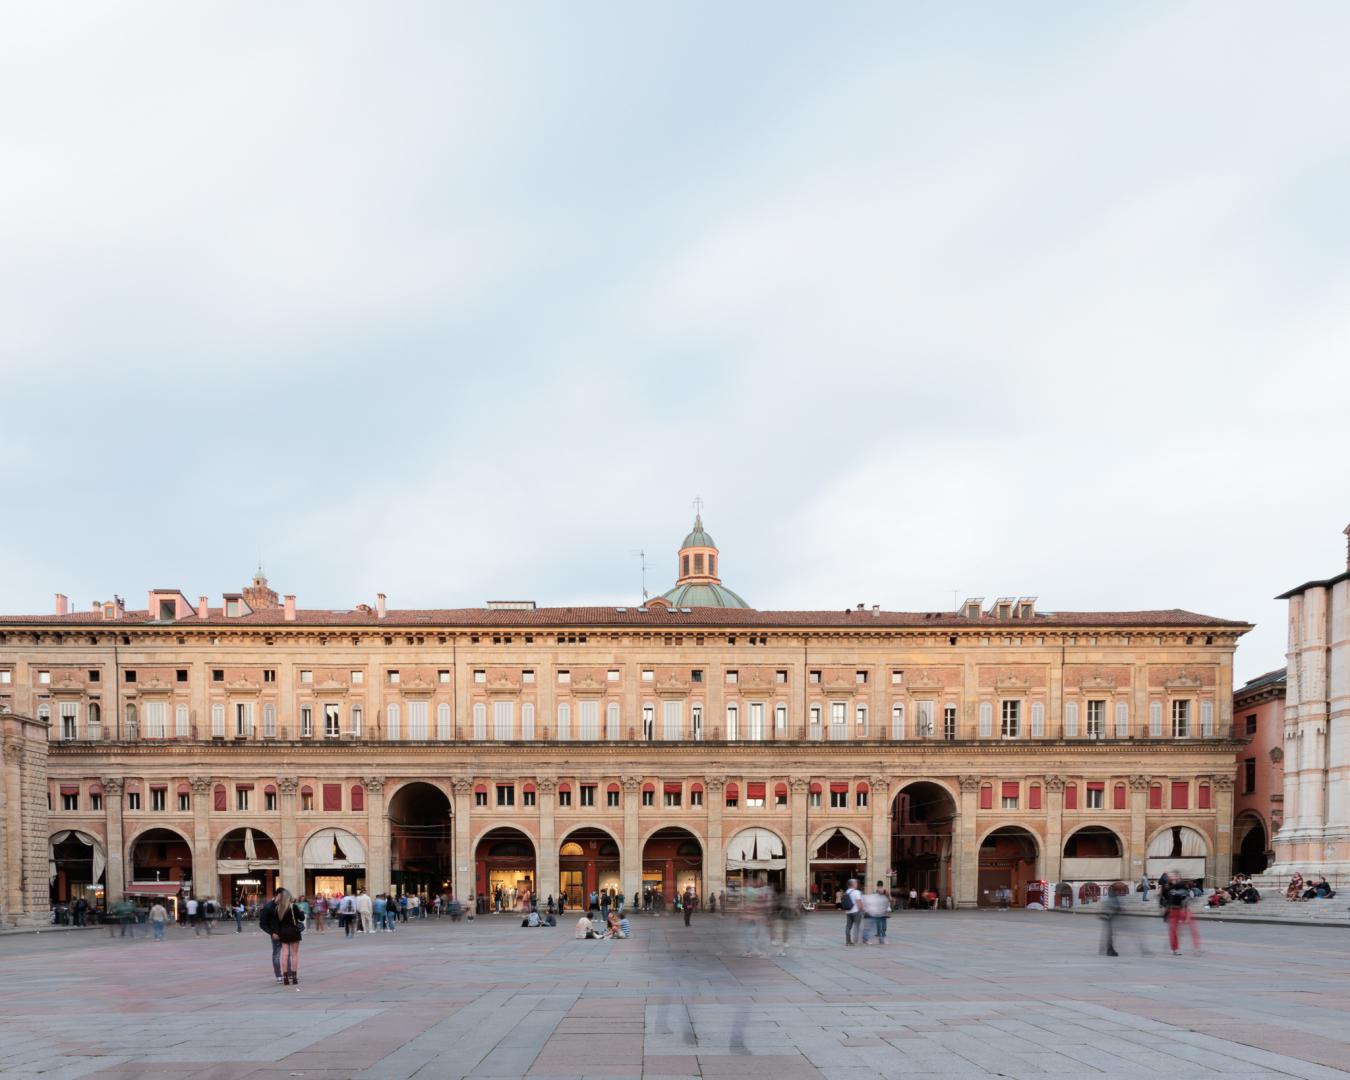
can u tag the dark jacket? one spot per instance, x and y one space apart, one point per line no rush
267 917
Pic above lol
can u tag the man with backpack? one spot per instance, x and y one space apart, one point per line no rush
851 904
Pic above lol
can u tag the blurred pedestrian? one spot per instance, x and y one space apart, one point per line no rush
1178 901
159 915
850 902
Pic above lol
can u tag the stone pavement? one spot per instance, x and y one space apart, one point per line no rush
953 994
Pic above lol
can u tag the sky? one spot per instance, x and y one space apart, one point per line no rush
469 302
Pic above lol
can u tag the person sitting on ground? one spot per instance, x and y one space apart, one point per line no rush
1295 889
1250 895
1217 898
584 928
549 920
532 919
614 928
624 926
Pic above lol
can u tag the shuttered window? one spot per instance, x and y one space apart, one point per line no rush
1070 719
417 719
1122 720
527 720
986 720
443 720
332 797
1155 718
393 722
1181 794
1038 719
503 720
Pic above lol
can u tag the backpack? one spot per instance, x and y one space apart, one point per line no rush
846 901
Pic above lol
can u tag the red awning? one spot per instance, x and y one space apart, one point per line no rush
612 788
816 789
70 789
1010 789
133 789
95 789
648 787
183 789
480 789
674 786
564 787
153 888
862 788
270 789
528 788
733 792
780 789
1094 785
695 787
754 790
306 790
837 786
243 787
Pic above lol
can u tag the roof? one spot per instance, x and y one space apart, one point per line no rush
697 537
700 595
1269 683
1326 584
605 617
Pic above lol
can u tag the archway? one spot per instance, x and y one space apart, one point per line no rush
1178 850
248 864
421 840
836 855
755 856
75 865
161 865
672 864
1093 854
504 869
335 863
588 862
1252 844
922 817
1007 861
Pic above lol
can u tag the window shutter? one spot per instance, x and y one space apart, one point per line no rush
358 797
1038 719
672 719
612 720
180 721
1119 797
443 720
393 722
1155 797
1070 719
1155 720
503 720
986 719
589 717
418 720
564 721
527 720
1034 797
1011 789
1203 797
218 721
897 722
269 721
1122 720
218 794
1181 794
986 796
332 797
1207 719
1070 796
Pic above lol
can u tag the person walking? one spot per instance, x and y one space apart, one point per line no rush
876 907
267 923
239 916
850 902
1178 902
689 902
1143 888
290 929
158 916
193 915
1110 911
365 910
320 911
381 913
347 914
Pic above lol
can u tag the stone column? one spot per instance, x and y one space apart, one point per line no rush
798 875
292 863
465 877
549 881
715 858
879 845
204 878
967 852
630 851
377 836
1137 852
11 828
115 876
1052 856
1223 829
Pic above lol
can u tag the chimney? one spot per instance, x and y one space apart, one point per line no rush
876 610
120 607
379 605
95 607
62 604
203 607
290 609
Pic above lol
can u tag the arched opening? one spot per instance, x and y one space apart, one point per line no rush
755 857
1178 850
421 840
248 865
672 865
1252 845
76 861
505 869
922 815
588 865
335 863
1007 861
835 857
1093 853
161 865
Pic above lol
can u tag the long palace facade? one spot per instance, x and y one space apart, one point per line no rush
221 749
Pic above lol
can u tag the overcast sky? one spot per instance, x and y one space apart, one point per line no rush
469 302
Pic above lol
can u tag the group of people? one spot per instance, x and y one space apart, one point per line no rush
592 927
1175 894
865 911
1239 889
1308 890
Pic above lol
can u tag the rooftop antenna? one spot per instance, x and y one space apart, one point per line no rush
642 557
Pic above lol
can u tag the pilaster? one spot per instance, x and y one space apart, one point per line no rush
292 868
967 844
1138 850
715 859
465 885
204 877
1223 829
1053 850
549 881
879 844
630 851
377 835
797 861
115 878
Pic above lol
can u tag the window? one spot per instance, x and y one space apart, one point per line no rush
1204 798
1096 719
586 795
838 796
443 720
564 676
231 609
1181 719
243 719
306 677
696 721
860 718
185 802
733 717
1251 724
860 677
696 796
838 720
269 720
480 721
588 720
181 674
7 676
1119 800
612 721
1181 794
506 795
306 799
696 675
897 678
1034 797
924 719
674 793
158 798
1012 719
269 675
1155 800
480 796
949 722
754 795
358 678
181 726
358 713
70 801
813 677
754 728
813 797
306 721
1011 793
612 796
648 675
1096 797
733 677
813 731
69 720
672 720
733 796
241 798
780 718
1207 719
780 795
897 721
95 722
648 722
443 676
218 720
564 795
46 676
394 677
861 796
986 721
44 713
133 800
1038 719
332 721
418 719
528 796
1248 775
156 719
480 675
393 721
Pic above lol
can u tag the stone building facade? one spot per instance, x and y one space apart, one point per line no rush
23 821
1258 806
226 748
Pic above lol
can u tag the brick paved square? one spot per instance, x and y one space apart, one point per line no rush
1019 994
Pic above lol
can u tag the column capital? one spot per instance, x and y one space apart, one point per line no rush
632 784
288 785
201 785
715 784
374 785
112 785
800 785
463 787
1140 782
547 785
1055 782
1223 783
880 784
970 784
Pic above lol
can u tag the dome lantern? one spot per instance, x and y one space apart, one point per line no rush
697 583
